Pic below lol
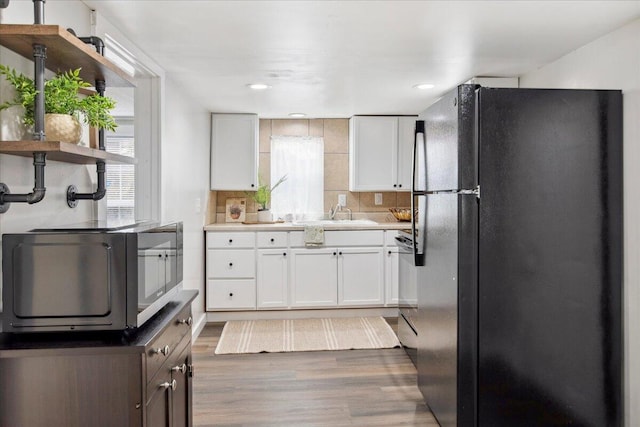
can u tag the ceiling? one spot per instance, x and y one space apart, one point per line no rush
339 58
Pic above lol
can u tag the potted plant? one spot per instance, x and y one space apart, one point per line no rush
262 197
62 106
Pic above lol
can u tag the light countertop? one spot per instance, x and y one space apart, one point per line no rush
288 226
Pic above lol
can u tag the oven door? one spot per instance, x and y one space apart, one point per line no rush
407 297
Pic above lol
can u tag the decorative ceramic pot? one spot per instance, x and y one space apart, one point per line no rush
62 127
264 216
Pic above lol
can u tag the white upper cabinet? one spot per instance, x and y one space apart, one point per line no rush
234 152
406 136
380 153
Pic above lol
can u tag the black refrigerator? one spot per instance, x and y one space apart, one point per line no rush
519 196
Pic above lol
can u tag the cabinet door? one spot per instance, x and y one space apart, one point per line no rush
391 276
360 276
159 407
234 152
181 397
373 151
406 135
314 280
273 278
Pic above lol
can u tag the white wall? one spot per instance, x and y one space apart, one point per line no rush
613 62
185 180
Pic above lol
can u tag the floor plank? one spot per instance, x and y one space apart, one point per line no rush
320 388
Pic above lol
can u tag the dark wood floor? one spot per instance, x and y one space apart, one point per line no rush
321 388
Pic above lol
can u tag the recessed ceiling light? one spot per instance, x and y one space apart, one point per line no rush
424 86
258 86
297 115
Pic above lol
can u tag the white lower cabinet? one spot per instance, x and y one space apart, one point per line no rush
391 275
314 279
231 271
231 294
275 271
360 276
272 278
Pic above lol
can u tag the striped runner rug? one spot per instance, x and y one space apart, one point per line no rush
272 336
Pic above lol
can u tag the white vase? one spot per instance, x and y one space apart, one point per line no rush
264 216
62 127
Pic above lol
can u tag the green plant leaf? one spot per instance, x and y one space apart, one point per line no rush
60 97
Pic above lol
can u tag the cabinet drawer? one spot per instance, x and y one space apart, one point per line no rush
164 374
243 239
272 239
231 294
390 237
296 239
231 264
342 238
354 238
161 347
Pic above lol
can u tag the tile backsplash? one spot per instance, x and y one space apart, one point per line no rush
335 133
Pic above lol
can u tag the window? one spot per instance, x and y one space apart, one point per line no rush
121 177
301 159
140 106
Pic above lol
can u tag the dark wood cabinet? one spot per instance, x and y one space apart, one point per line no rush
101 379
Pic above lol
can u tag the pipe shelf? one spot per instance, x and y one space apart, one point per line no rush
63 152
63 49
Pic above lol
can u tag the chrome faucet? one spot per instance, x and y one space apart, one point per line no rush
338 208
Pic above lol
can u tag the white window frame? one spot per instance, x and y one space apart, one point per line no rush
149 114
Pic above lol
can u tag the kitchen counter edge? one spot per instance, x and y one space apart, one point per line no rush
287 226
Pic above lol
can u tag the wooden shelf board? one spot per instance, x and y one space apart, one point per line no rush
63 152
64 51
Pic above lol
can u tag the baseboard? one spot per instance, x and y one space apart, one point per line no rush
198 327
222 316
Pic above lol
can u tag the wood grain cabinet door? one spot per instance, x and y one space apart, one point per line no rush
181 399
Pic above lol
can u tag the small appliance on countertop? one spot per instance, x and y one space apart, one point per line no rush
94 275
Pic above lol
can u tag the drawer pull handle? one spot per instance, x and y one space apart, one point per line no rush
334 253
272 240
230 264
389 252
231 294
230 240
188 321
164 350
339 253
284 254
172 385
180 368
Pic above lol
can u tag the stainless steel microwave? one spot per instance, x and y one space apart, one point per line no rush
89 276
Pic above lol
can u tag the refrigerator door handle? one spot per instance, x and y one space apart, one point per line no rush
475 192
416 231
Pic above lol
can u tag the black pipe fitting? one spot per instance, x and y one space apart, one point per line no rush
73 196
39 190
95 41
